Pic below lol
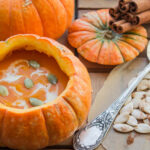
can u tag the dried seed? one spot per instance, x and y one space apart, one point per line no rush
28 83
138 114
143 85
3 91
138 95
52 79
142 128
132 121
122 118
146 121
123 128
136 102
35 101
147 99
128 100
34 64
147 93
144 107
127 108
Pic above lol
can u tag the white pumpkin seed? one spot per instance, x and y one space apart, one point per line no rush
145 107
52 79
3 91
136 102
28 83
147 99
138 114
34 64
122 118
142 128
123 128
132 121
138 95
146 121
128 100
143 85
127 109
147 93
35 102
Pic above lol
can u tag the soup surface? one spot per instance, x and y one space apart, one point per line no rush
30 78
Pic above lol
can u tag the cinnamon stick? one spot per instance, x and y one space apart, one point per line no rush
124 8
125 27
137 6
141 18
114 13
128 17
111 23
116 24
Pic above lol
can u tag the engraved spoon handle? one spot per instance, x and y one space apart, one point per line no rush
91 136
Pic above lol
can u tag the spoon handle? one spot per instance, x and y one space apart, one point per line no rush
91 136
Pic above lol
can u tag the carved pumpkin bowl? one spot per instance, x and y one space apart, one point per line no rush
45 92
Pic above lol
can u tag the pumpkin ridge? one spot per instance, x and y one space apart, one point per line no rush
22 18
45 123
120 51
99 51
128 49
65 13
129 44
96 18
53 11
86 23
57 17
133 33
39 17
99 18
67 101
86 42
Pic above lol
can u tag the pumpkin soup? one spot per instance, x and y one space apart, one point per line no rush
30 78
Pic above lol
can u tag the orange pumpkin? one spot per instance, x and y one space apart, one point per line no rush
48 18
96 42
52 122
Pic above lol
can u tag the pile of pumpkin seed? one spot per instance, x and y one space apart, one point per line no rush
28 83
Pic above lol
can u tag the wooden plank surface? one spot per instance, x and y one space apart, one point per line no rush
90 4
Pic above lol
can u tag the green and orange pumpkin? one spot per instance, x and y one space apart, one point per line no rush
56 120
96 42
48 18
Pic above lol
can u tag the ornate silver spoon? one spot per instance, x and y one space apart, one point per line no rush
91 136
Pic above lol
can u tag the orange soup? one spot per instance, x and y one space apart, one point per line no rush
30 78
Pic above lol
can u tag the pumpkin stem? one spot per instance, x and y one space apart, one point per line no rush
109 35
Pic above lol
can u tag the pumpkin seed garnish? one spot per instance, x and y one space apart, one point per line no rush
34 64
3 91
52 79
35 101
28 83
